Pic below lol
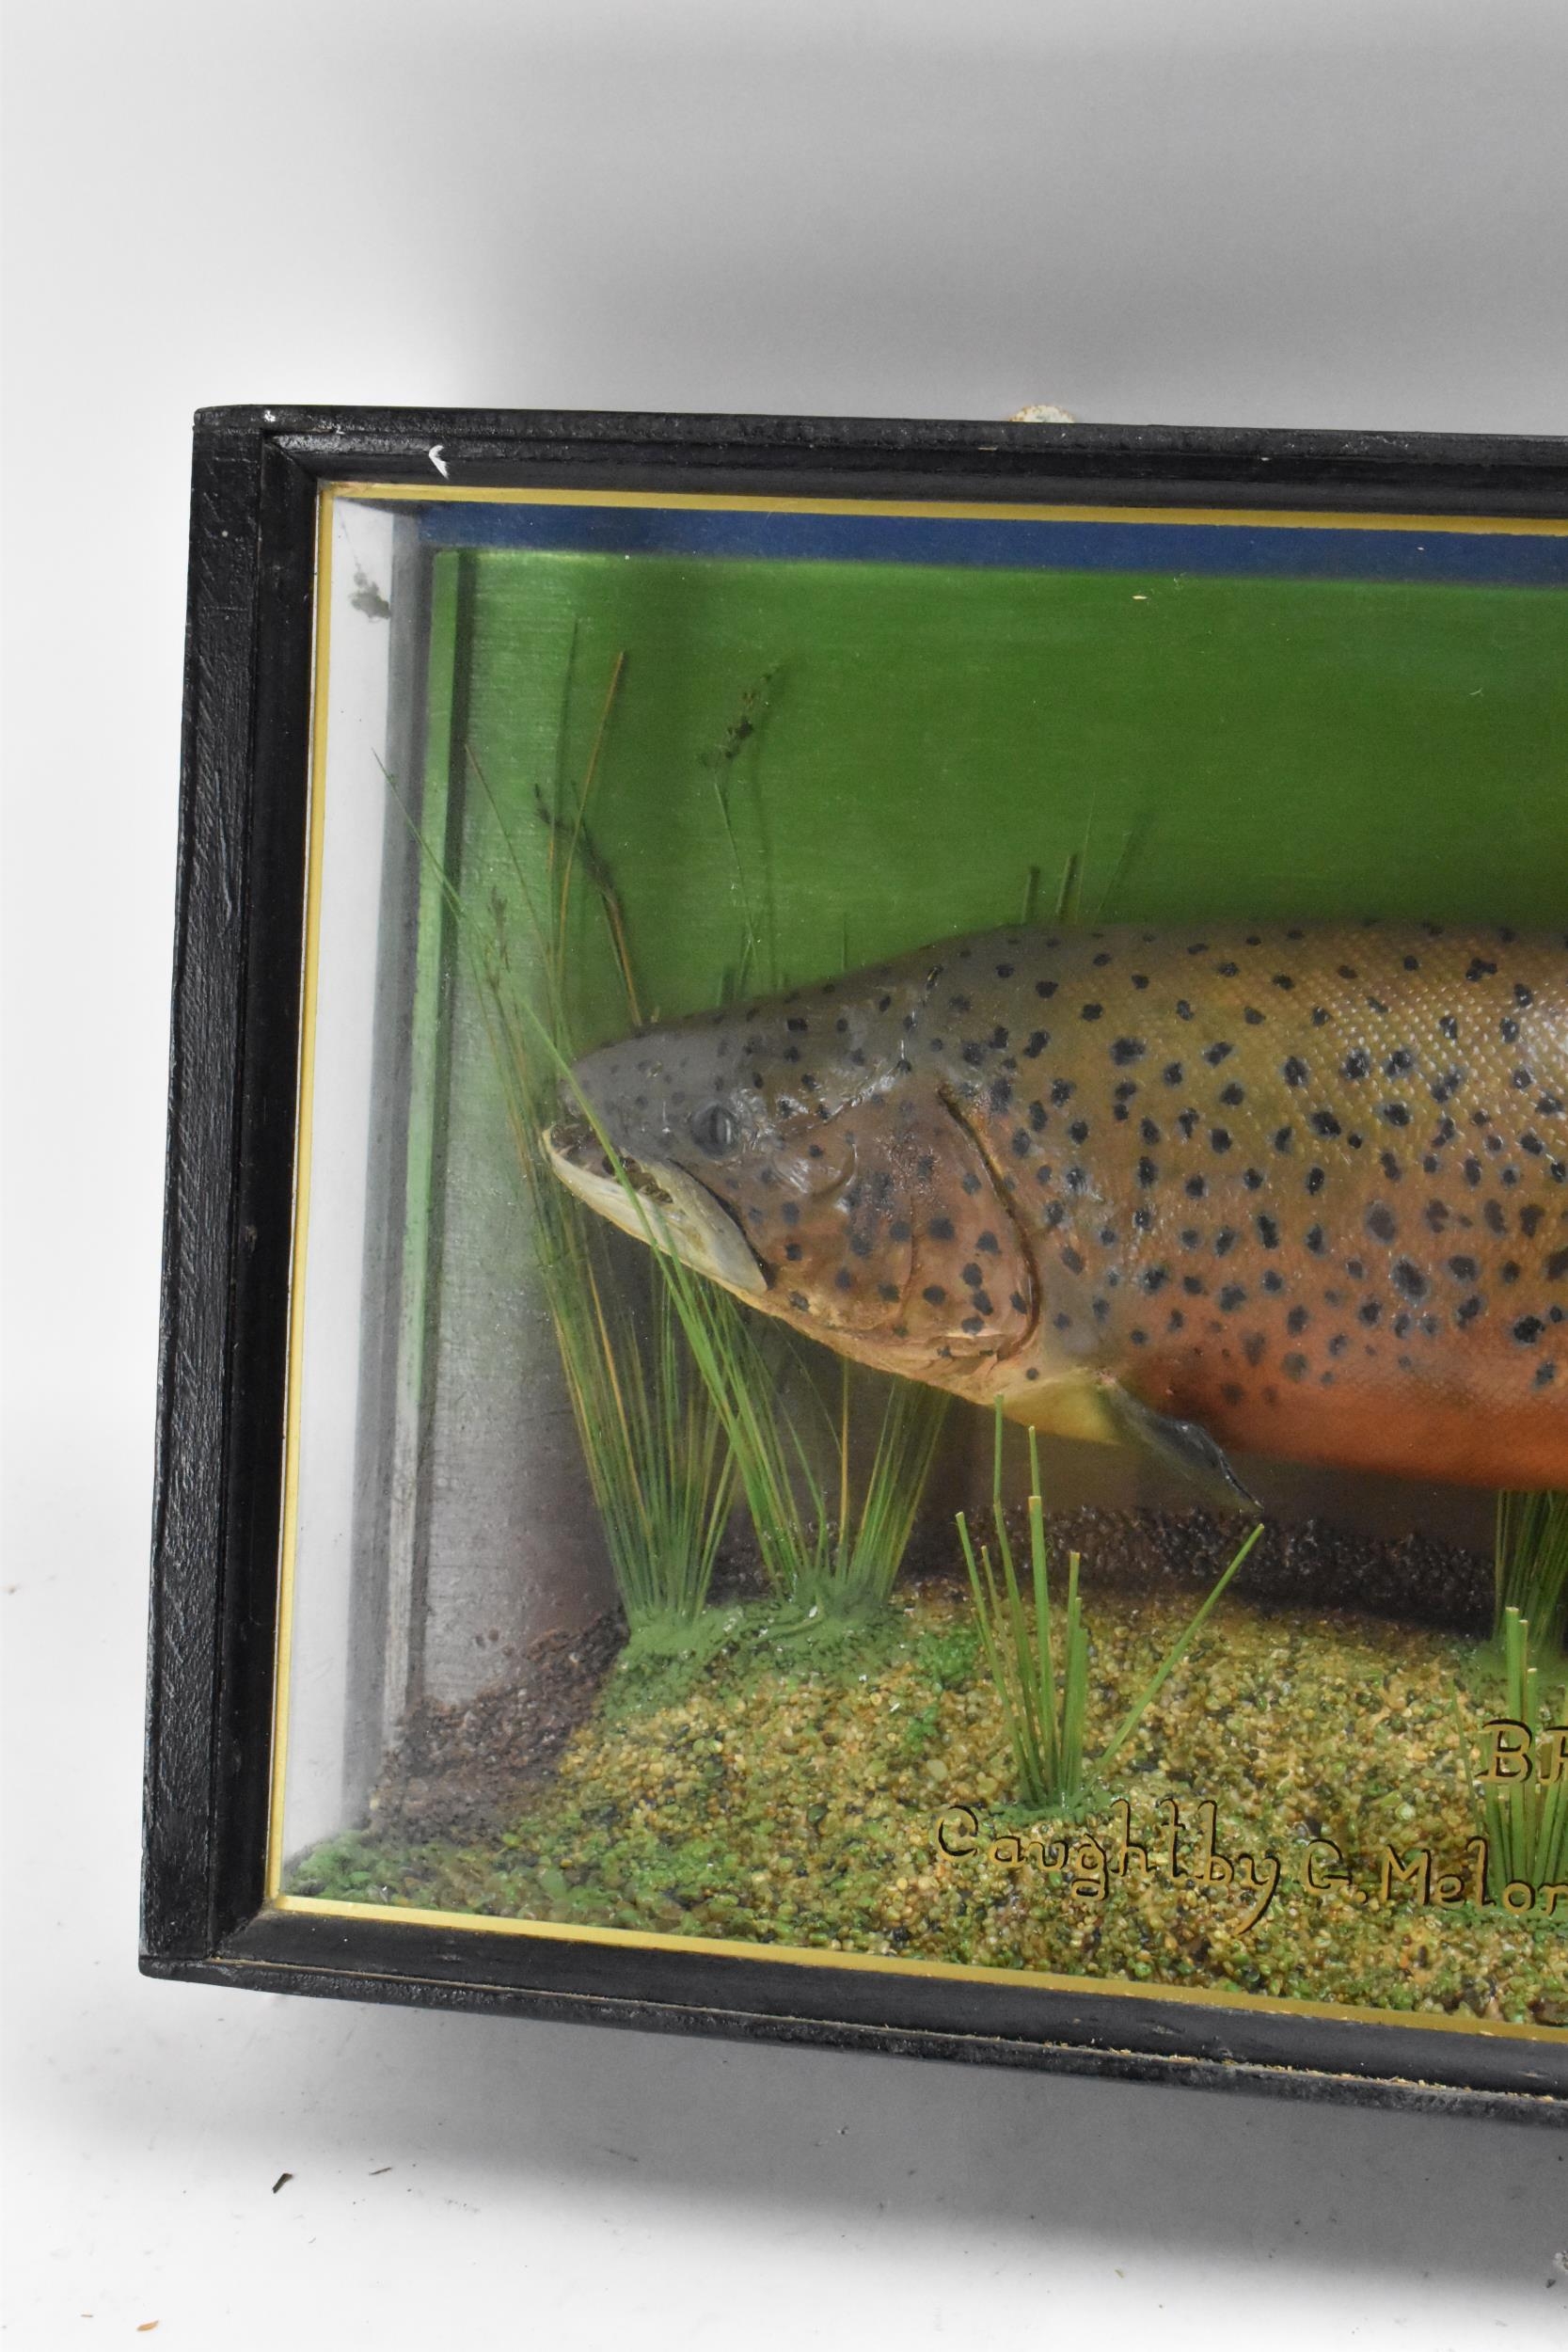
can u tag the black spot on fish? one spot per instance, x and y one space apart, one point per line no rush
1529 1329
1091 1013
1408 1279
1172 1074
1382 1222
1294 1070
1356 1065
1128 1049
1268 1233
1061 1090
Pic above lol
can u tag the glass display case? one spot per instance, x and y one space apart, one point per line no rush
869 1240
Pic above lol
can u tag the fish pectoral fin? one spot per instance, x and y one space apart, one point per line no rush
1183 1445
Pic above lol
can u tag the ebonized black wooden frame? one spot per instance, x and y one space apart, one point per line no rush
228 1218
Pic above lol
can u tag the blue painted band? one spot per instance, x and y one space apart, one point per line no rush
1237 550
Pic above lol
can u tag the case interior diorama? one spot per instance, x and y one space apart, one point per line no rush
615 1608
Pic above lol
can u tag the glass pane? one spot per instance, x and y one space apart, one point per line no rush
792 984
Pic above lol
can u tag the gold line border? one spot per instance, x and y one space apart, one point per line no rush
305 1112
551 1931
946 1970
951 510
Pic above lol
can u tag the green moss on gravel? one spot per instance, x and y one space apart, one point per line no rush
778 1790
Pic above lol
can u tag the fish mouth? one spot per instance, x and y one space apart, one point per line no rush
654 1200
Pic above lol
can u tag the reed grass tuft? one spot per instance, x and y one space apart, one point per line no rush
1529 1557
831 1533
1036 1650
1524 1817
654 1444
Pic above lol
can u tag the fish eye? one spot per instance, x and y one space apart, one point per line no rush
715 1129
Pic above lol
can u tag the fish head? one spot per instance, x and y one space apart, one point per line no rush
795 1152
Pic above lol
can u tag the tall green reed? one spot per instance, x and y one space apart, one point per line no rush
831 1527
1037 1649
834 1527
1521 1808
654 1444
1530 1564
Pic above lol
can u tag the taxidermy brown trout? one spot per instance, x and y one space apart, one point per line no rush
1302 1192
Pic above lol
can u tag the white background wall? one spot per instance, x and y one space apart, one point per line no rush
1347 213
